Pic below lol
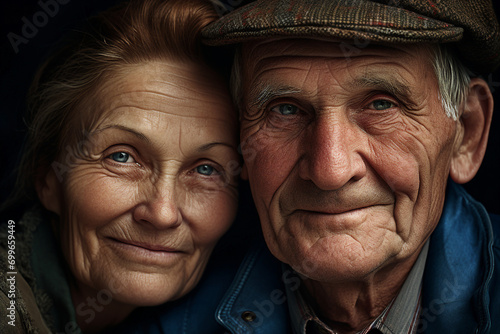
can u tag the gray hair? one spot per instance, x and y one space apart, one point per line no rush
453 80
452 76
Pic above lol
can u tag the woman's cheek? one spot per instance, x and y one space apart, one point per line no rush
211 213
100 195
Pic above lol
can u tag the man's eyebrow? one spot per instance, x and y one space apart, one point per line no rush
261 94
391 85
136 133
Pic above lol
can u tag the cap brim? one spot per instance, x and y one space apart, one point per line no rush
363 20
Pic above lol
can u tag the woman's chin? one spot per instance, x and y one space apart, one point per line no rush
150 291
137 300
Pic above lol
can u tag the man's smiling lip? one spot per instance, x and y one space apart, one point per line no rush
335 211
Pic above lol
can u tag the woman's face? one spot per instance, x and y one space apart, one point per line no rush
153 187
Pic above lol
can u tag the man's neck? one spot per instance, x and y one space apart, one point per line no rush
349 307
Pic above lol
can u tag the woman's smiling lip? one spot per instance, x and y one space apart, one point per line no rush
146 246
145 254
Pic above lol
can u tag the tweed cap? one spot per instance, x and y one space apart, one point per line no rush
470 24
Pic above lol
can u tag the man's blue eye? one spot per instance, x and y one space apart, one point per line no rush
287 109
382 104
205 170
120 157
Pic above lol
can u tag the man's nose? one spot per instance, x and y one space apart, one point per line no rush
332 152
159 207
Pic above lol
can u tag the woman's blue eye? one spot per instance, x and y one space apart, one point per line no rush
287 109
205 170
120 157
382 104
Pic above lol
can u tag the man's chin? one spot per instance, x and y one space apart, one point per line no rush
337 262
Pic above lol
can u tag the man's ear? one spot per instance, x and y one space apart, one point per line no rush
48 188
475 122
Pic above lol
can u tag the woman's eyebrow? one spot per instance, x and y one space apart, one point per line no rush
136 133
208 146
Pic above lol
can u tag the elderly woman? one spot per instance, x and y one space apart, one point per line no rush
132 159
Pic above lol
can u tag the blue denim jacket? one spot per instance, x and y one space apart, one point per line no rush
461 291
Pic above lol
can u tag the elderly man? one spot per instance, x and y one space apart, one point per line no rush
358 120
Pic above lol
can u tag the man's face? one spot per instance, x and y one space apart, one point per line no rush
347 157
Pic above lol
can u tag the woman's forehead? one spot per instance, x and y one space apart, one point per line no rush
172 88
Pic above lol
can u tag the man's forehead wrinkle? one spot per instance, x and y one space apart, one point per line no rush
296 48
302 62
267 83
375 69
280 62
265 79
276 70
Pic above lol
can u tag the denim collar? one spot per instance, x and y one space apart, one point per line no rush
459 268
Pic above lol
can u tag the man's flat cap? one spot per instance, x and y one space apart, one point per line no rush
470 24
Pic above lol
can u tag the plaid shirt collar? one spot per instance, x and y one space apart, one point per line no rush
400 316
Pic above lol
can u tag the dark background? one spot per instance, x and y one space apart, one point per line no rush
17 69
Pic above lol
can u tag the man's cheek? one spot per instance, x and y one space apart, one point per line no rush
397 163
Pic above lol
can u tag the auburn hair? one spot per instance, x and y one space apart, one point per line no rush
131 33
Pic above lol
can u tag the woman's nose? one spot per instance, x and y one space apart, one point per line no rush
159 208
